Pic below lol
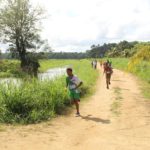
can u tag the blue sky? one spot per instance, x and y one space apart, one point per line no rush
74 25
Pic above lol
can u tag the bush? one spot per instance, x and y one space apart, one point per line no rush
32 101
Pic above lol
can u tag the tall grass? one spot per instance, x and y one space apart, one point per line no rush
33 101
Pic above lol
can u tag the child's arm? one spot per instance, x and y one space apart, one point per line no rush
79 85
111 70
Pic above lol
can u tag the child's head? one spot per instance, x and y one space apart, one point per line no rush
69 71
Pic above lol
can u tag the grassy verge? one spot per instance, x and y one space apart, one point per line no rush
115 107
34 101
120 63
46 64
142 71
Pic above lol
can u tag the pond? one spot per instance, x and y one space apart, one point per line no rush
50 74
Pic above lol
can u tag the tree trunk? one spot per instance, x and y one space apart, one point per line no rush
23 60
22 52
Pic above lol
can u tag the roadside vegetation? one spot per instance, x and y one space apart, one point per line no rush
10 68
139 65
32 101
53 63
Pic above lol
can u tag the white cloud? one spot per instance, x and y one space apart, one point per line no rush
3 47
74 25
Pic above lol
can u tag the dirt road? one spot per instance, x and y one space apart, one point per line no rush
115 119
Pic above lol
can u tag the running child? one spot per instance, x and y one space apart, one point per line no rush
108 72
73 83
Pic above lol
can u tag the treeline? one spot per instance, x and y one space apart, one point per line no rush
66 55
123 49
47 55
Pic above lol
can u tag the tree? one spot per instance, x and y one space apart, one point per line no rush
19 25
124 45
142 55
46 47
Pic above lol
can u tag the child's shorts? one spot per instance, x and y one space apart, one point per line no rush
74 95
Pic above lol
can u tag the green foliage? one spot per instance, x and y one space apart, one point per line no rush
122 49
34 101
120 63
10 68
53 63
98 51
142 52
139 65
66 55
89 79
140 62
19 26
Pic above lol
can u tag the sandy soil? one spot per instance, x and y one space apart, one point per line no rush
114 119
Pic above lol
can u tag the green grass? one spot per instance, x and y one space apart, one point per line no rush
2 129
10 68
46 64
142 71
120 63
115 107
34 101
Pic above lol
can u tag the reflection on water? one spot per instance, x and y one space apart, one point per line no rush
52 73
48 75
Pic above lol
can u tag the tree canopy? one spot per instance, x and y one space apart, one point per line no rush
19 26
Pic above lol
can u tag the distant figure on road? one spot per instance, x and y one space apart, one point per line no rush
94 64
73 83
108 72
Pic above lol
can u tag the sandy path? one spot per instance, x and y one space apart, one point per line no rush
115 119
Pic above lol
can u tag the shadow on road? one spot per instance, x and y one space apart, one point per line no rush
119 80
90 118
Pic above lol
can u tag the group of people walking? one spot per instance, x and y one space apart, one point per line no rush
73 82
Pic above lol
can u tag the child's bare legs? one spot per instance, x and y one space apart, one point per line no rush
77 106
108 80
107 83
76 103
